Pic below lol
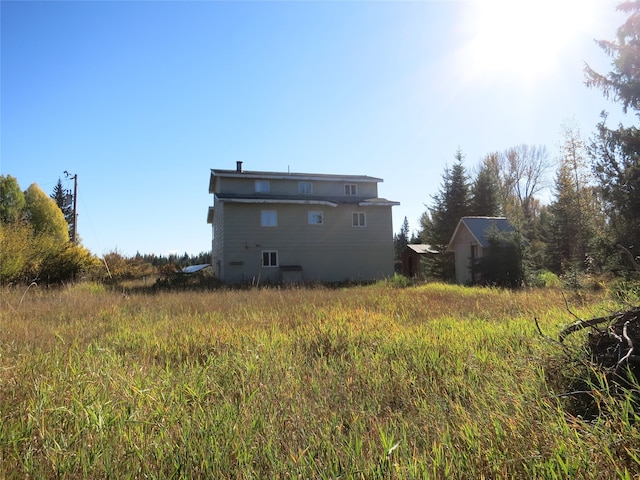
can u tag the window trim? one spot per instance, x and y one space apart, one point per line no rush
350 189
300 189
355 220
316 212
264 216
264 183
270 257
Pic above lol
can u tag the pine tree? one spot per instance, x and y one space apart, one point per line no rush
401 240
62 199
485 198
616 152
450 204
575 214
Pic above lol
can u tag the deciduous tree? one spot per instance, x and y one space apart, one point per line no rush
11 200
44 215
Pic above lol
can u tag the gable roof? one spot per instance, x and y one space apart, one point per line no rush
480 227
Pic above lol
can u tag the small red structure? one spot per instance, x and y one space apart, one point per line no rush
411 258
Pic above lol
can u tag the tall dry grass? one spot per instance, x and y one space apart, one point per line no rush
433 381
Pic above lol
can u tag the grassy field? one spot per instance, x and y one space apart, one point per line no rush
430 381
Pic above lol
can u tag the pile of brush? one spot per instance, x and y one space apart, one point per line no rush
613 343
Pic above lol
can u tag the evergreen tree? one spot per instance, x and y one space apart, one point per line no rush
575 214
503 265
616 152
63 200
485 198
450 204
401 240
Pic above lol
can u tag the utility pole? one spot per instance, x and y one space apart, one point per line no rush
74 231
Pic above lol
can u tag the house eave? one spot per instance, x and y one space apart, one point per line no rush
291 176
379 203
278 201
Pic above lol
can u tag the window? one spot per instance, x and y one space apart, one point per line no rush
269 258
350 189
316 218
359 219
305 188
262 186
269 218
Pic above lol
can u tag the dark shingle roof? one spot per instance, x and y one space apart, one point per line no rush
480 227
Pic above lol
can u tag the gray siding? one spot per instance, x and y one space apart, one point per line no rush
246 186
218 260
462 255
333 251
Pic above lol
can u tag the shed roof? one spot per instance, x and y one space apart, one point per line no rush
480 227
195 268
421 248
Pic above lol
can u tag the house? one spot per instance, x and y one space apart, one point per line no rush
470 242
411 258
290 227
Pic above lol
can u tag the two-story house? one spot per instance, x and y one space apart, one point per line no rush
272 227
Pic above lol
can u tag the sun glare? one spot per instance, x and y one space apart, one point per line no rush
521 40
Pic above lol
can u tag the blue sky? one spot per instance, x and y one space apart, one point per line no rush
142 99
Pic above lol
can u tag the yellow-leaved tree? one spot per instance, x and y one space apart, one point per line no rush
34 238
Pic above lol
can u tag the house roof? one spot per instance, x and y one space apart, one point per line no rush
288 176
480 227
421 248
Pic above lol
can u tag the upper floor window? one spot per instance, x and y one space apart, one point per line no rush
350 189
305 188
262 186
316 218
269 258
269 218
359 219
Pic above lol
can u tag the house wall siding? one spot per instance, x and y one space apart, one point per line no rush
462 256
246 186
333 251
217 252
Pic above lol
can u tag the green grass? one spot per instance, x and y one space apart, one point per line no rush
430 381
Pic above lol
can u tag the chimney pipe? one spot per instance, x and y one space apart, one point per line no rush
239 166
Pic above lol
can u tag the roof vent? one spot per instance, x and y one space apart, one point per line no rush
239 166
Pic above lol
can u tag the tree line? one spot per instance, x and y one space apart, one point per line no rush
35 240
592 223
